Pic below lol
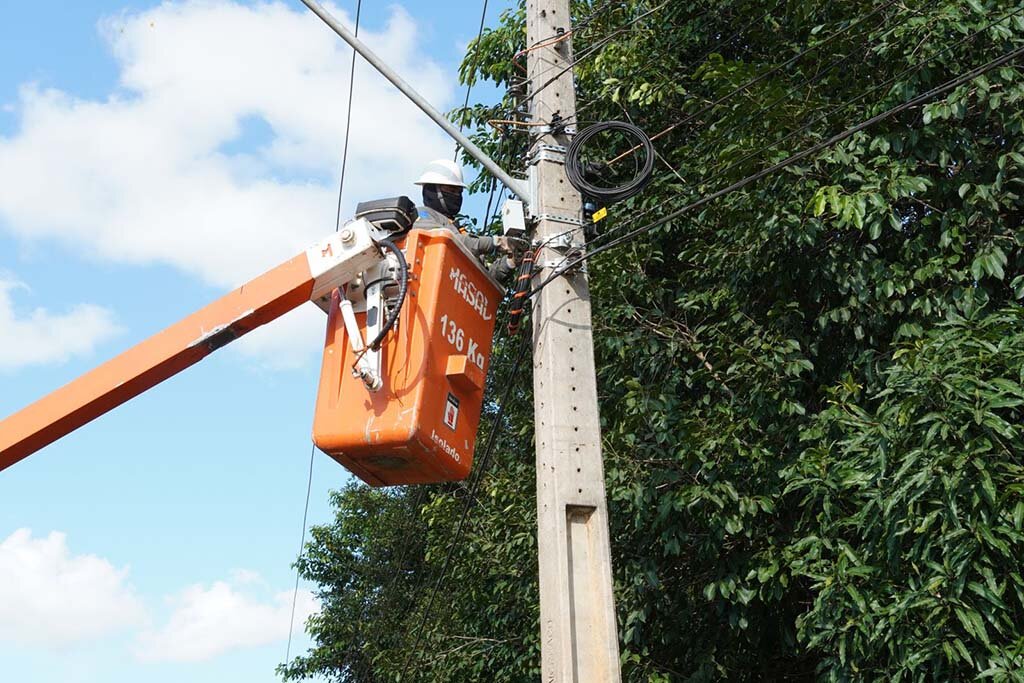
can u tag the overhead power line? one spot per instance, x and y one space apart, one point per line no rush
779 67
348 120
822 116
811 80
816 118
656 55
302 542
337 226
469 84
496 426
876 88
849 132
593 49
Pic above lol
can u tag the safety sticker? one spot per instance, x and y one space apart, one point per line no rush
451 412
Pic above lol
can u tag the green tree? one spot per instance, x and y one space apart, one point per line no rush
810 389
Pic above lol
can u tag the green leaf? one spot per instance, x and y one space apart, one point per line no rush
819 203
1018 287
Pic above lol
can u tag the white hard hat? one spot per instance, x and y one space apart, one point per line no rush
442 172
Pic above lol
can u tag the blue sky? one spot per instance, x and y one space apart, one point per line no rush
152 156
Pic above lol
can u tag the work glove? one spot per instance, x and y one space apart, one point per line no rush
504 245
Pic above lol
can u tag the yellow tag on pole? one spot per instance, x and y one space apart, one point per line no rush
600 214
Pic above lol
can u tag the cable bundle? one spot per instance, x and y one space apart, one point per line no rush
518 305
577 172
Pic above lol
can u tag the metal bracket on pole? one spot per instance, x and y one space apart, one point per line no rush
516 186
553 153
568 252
574 255
569 220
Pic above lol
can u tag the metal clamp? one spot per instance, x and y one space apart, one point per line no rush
553 153
560 219
572 254
559 242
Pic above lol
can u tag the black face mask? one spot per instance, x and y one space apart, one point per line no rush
438 198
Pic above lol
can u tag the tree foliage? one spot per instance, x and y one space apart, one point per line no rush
811 390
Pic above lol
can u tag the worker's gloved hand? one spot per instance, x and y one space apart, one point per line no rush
502 268
504 245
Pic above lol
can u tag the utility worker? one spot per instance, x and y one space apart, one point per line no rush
443 186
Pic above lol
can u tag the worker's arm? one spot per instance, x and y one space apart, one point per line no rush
309 276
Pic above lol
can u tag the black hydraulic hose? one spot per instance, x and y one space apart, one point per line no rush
403 287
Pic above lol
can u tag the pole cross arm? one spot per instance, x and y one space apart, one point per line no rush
310 276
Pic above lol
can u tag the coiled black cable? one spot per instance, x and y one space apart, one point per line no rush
403 287
577 171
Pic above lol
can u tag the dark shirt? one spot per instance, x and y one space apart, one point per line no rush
429 219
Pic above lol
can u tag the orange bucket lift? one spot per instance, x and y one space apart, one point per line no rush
408 413
399 401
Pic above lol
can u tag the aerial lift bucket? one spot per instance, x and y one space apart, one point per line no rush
420 425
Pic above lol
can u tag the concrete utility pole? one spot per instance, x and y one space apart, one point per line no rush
579 639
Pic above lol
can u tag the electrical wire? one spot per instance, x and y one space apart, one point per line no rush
692 65
657 154
654 56
469 83
497 124
810 80
587 53
822 116
914 68
337 227
348 121
825 115
302 543
579 27
522 289
779 67
467 504
849 132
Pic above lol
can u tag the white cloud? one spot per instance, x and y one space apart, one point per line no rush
208 621
288 342
52 598
247 577
40 336
156 172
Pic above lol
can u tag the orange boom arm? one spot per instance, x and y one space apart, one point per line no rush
309 276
